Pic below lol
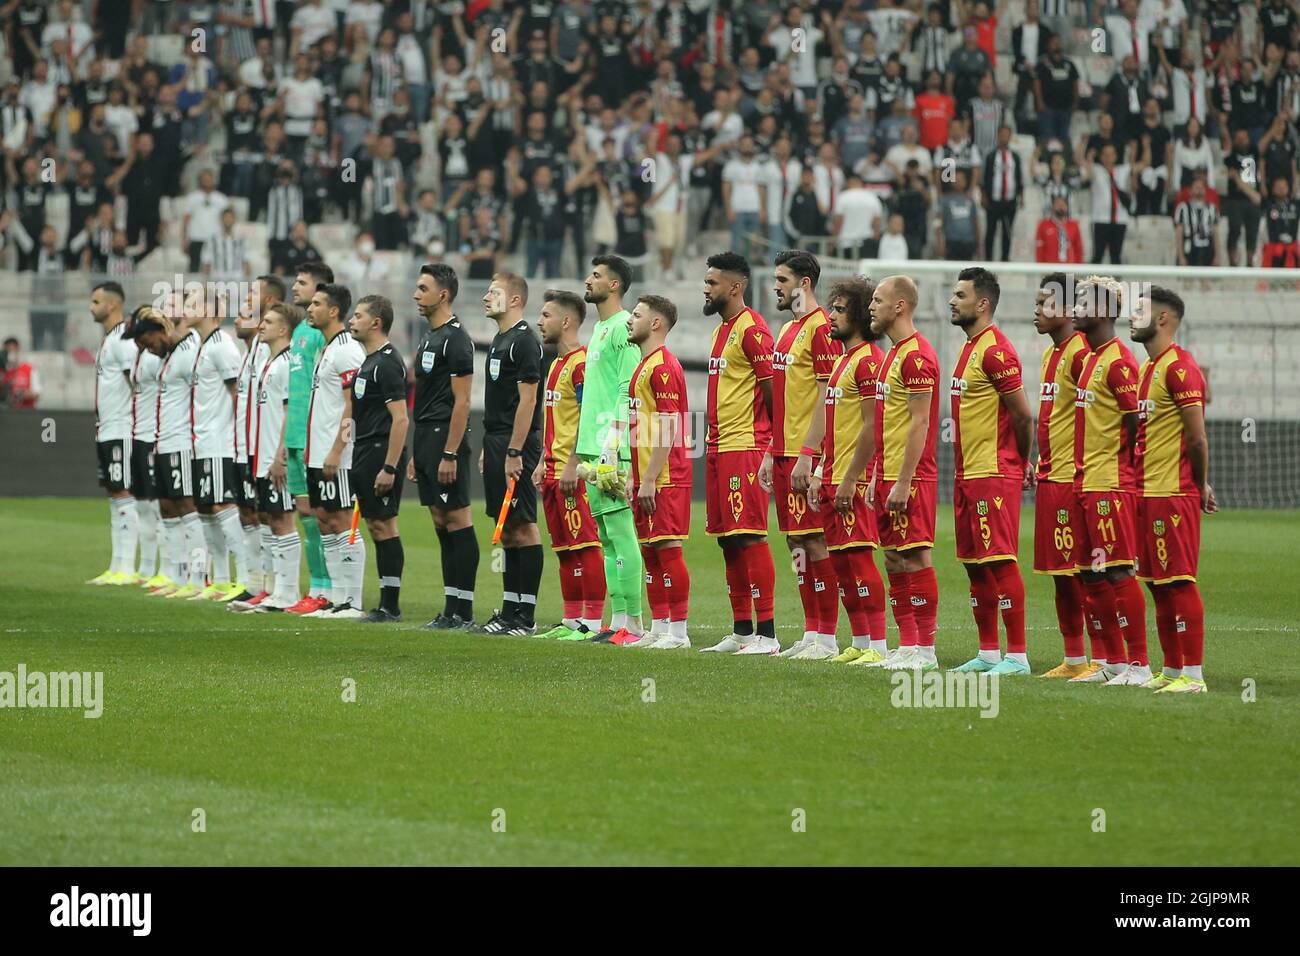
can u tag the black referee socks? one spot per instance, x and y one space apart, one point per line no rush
390 558
528 579
450 590
460 570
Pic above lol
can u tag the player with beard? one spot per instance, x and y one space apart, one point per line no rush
1107 459
992 431
739 416
440 459
802 360
839 484
1175 488
304 352
144 487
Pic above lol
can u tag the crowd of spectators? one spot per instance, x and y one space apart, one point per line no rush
551 130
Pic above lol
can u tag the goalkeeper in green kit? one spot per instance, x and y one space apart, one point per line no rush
602 456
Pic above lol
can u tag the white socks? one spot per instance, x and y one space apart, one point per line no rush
266 553
251 573
880 646
193 554
124 531
677 628
992 657
1020 658
860 642
330 545
148 517
346 564
233 533
1193 672
828 641
172 548
287 553
215 539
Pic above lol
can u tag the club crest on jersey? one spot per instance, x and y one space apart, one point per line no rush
360 387
494 368
571 503
1158 526
426 361
1103 507
735 482
981 507
1062 516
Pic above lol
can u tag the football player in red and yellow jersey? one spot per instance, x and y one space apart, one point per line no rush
1058 522
659 481
1106 461
1175 488
574 536
801 364
739 414
992 429
902 487
839 484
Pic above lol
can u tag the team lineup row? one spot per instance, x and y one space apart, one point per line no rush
313 417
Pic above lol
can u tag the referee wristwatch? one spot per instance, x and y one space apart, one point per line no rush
390 469
449 456
514 453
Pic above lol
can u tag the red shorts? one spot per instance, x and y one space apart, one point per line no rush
986 513
568 517
1058 528
1280 255
1110 529
793 515
851 529
672 517
1169 538
734 501
913 528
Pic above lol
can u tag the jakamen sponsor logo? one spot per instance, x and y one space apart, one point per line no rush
102 909
74 690
938 689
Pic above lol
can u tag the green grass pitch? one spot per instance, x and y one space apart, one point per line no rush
242 716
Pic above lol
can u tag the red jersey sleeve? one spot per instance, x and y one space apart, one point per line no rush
757 345
579 374
919 373
1002 365
1077 363
1122 377
669 389
825 350
1185 383
864 378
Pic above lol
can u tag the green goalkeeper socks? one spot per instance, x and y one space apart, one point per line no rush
619 533
320 576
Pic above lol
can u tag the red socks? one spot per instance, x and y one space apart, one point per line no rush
762 578
854 605
654 583
826 595
924 590
1102 608
1166 603
571 583
864 569
900 599
676 582
738 590
1132 607
1069 613
984 604
592 571
806 579
1011 599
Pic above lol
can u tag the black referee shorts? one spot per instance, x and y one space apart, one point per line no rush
427 454
367 463
524 510
143 485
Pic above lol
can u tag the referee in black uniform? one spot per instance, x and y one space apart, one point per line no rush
378 411
512 447
440 459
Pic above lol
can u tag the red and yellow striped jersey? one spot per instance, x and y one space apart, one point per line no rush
1062 365
910 368
740 358
1107 390
852 383
563 406
985 444
1170 381
658 392
802 361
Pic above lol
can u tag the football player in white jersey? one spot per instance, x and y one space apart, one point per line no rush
113 425
329 452
144 432
269 456
212 413
263 292
169 335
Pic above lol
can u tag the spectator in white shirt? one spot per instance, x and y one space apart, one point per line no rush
900 153
1129 34
744 195
363 267
253 71
201 219
782 181
795 42
300 98
77 35
893 244
855 220
310 22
